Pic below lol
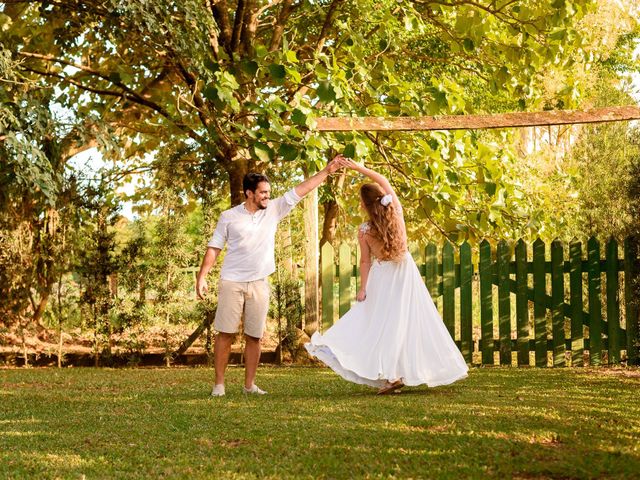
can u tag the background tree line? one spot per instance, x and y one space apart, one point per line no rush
186 97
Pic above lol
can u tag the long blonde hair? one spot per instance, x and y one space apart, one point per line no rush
384 222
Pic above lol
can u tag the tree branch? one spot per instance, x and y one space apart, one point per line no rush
125 96
328 21
278 28
193 86
250 26
132 95
221 16
238 25
326 26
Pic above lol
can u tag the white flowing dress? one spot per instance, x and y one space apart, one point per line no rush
396 333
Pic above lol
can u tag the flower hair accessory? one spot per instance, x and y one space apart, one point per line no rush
386 200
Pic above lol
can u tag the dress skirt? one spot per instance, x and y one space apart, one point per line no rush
396 333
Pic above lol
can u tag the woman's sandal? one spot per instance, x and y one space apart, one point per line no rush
391 387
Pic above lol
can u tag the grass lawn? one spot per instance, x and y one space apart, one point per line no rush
160 423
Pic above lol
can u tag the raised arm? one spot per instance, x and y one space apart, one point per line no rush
313 182
375 176
367 172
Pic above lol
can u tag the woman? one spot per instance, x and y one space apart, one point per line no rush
393 336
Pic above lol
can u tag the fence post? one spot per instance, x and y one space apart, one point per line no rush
557 303
595 302
539 302
504 303
431 270
631 299
613 309
522 303
448 289
328 273
485 268
345 270
466 297
575 284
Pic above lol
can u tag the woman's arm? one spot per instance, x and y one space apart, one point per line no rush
365 265
367 172
376 177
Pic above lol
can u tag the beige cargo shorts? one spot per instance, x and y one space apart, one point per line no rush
238 301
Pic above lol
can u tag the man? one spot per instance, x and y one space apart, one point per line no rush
249 231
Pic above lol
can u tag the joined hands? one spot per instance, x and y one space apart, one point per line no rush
340 161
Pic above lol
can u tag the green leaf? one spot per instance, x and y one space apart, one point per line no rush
263 152
277 71
294 75
210 93
288 152
558 34
249 67
114 77
228 80
261 51
212 66
468 45
349 151
291 56
490 188
263 122
298 117
325 92
429 204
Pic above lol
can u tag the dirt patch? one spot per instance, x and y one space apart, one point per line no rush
153 346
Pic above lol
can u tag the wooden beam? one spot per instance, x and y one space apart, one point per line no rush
472 122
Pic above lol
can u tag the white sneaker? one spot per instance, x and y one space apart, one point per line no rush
218 391
254 390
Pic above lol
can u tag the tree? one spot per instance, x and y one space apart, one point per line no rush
97 266
37 200
203 91
237 83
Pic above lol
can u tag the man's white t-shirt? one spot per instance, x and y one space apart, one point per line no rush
251 238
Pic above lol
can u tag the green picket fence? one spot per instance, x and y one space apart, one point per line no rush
526 305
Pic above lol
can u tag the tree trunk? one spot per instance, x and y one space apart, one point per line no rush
39 311
60 318
237 169
331 210
311 263
287 247
96 341
25 354
329 223
142 296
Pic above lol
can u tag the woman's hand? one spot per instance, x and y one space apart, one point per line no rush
361 295
348 163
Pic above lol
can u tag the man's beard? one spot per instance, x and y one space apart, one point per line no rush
262 206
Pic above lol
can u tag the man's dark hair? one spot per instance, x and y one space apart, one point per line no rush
251 181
